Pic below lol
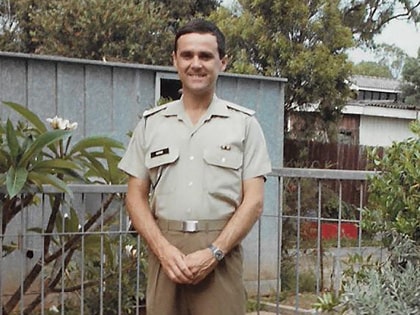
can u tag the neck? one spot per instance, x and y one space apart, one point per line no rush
196 105
197 102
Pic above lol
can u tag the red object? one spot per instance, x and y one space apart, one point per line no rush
329 230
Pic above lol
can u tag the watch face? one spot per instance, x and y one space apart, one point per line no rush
219 254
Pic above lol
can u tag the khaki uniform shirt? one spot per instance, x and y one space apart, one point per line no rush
197 171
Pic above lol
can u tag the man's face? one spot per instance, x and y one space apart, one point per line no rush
198 63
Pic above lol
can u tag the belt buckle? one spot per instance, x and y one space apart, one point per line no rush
190 226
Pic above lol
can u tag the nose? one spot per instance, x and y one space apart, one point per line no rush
196 62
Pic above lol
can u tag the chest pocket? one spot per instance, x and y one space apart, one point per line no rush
225 159
223 175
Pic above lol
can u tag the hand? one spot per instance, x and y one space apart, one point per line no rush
201 263
174 264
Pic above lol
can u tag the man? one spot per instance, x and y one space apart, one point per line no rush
203 161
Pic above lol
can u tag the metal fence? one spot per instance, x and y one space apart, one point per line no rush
76 254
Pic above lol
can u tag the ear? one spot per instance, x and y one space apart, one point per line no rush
174 63
224 61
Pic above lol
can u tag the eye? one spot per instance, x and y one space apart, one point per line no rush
206 56
186 55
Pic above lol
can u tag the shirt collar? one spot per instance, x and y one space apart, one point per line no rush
217 108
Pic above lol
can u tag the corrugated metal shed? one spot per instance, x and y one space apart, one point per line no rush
107 98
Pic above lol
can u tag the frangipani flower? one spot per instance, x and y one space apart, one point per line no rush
62 124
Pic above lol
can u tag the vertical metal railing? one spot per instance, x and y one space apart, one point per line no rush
79 274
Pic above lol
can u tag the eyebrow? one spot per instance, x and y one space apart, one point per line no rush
205 54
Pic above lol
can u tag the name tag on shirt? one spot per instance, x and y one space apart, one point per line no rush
159 153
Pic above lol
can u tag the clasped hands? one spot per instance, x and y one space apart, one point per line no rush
187 269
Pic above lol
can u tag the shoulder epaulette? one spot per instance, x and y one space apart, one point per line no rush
153 110
242 109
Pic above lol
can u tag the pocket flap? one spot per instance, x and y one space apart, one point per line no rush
227 159
160 156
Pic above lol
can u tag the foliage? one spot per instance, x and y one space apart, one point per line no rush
328 301
125 280
379 287
288 39
136 30
392 57
94 29
367 18
391 287
389 64
371 68
394 194
303 41
31 155
411 75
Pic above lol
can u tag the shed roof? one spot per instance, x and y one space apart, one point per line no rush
126 65
383 104
378 84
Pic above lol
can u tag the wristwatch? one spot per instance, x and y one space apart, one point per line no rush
217 252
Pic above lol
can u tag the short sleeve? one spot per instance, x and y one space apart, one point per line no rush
256 159
133 161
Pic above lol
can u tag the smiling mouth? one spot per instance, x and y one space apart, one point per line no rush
197 75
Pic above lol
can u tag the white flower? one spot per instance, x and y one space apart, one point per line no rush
62 124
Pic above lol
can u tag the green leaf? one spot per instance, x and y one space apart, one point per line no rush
93 142
38 145
72 222
29 115
8 249
5 161
51 165
40 179
15 180
36 230
12 141
92 243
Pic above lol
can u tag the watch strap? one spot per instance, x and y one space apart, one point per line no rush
217 252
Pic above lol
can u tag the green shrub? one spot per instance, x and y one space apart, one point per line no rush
394 194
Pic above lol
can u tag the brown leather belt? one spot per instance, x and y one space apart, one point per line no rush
191 226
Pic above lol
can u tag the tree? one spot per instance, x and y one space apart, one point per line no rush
136 30
187 9
93 29
372 68
411 75
367 18
304 41
288 39
389 62
392 57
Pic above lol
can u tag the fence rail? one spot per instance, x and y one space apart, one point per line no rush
78 256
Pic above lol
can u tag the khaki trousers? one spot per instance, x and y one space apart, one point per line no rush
222 292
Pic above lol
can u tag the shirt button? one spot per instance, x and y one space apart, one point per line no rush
223 159
192 157
190 183
189 210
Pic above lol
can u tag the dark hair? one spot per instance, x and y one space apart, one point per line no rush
203 27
